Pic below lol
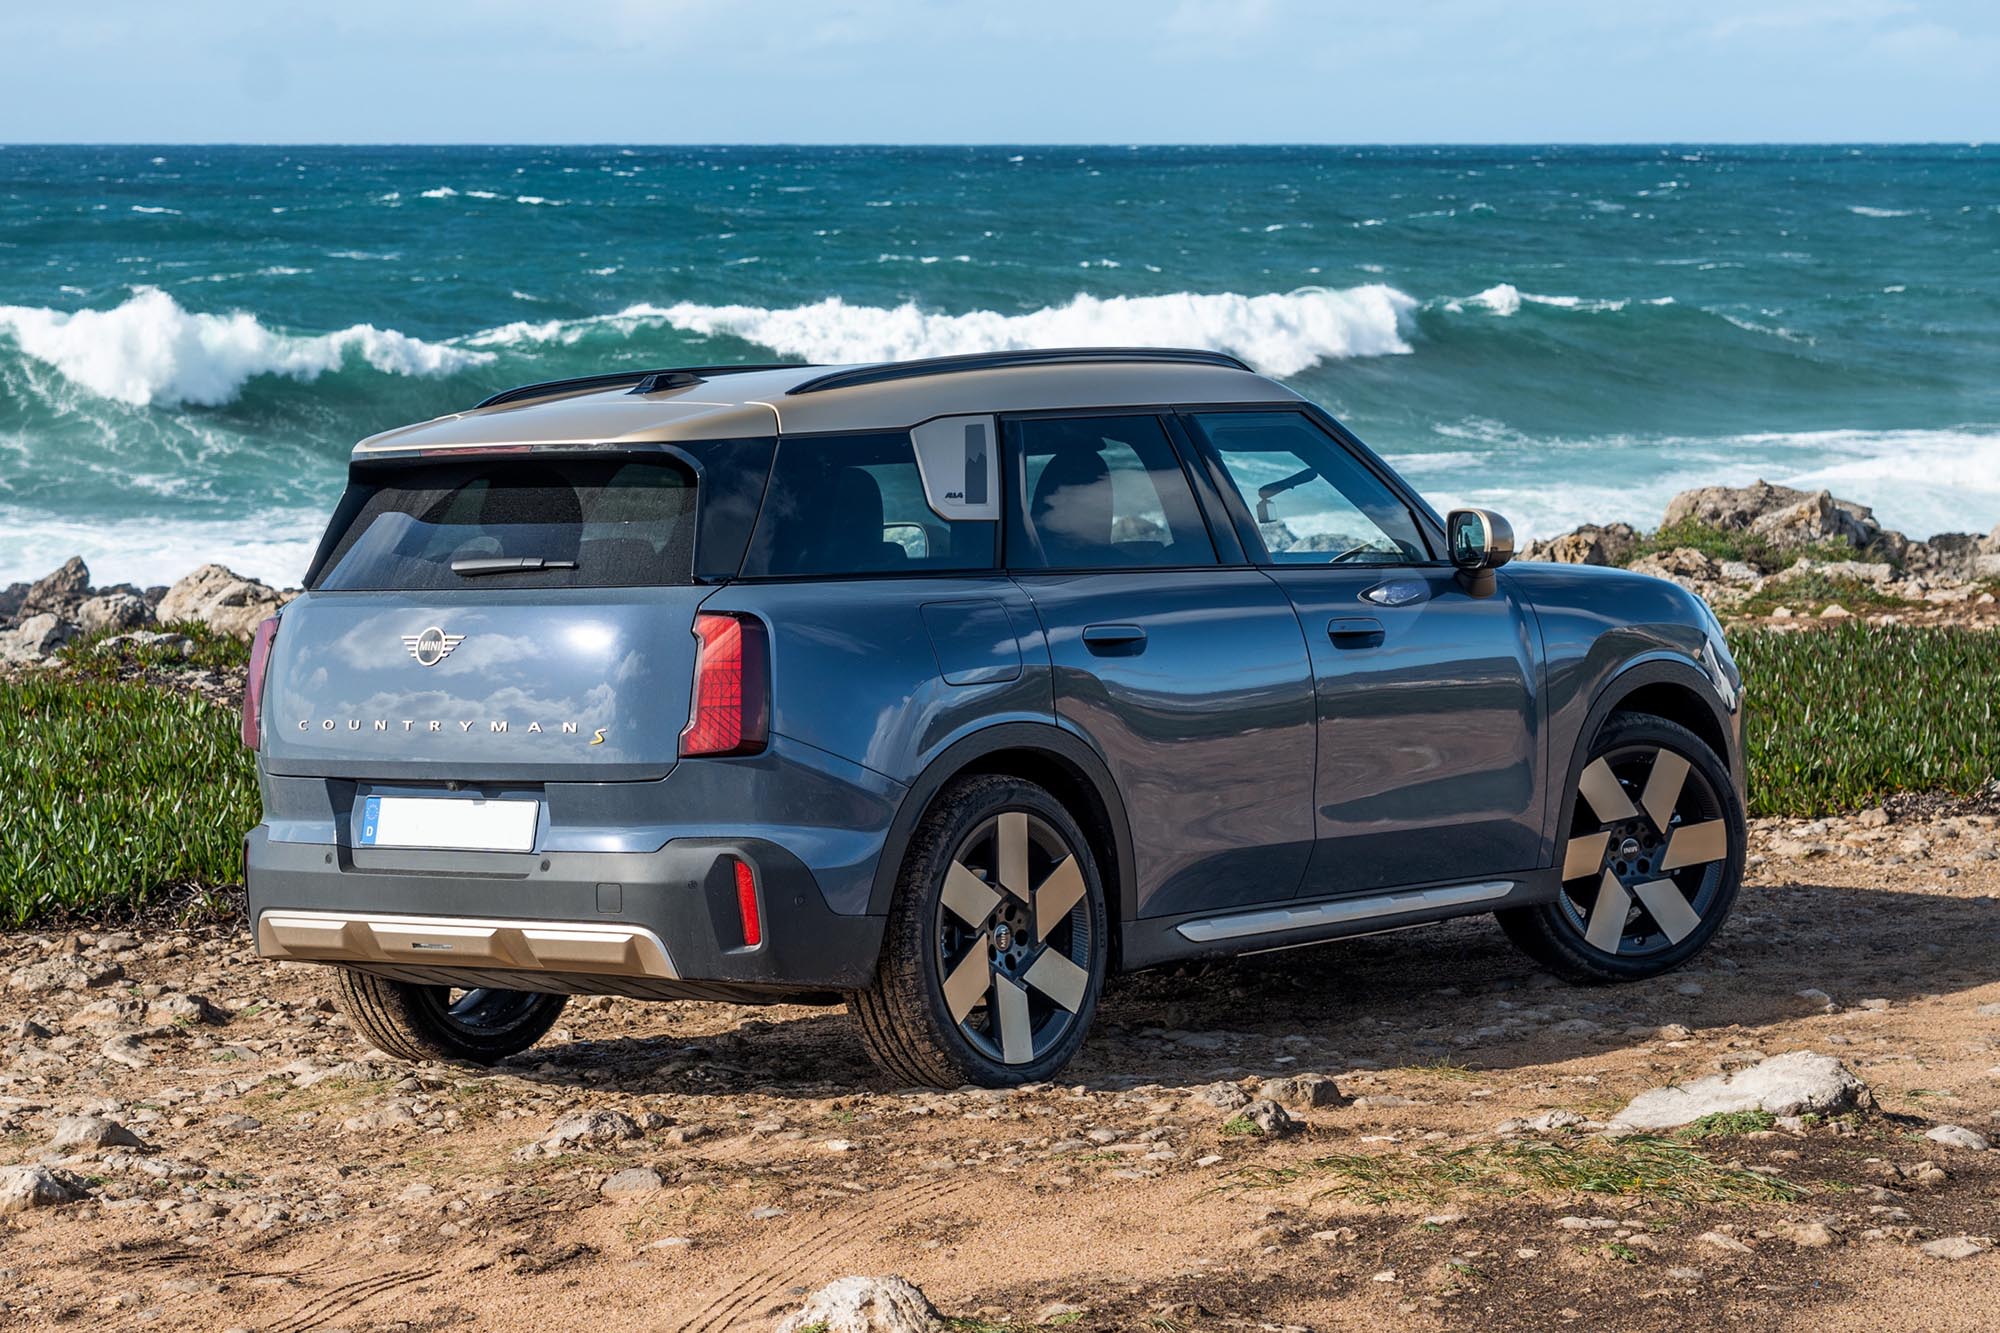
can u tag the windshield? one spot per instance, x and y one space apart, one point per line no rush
521 523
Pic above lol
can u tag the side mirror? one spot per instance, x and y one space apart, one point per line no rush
1481 541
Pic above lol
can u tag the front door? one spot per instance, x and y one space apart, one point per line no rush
1430 751
1190 679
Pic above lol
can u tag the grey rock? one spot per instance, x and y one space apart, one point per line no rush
1302 1091
25 1187
65 972
1222 1096
221 599
1589 544
113 612
583 1129
165 641
1269 1117
59 591
632 1183
77 1132
1958 1136
865 1305
1791 1084
1946 1247
35 638
184 1008
1683 565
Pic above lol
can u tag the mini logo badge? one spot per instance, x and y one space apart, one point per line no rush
432 646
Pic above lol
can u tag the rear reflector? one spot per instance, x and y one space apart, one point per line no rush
253 685
746 905
730 711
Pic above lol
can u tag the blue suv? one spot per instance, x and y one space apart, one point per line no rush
950 686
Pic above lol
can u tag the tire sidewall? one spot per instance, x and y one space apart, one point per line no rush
963 811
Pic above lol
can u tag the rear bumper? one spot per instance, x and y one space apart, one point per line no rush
664 923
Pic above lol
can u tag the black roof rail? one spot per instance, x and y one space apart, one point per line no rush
645 381
1057 356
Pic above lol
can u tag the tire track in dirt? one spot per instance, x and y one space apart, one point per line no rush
781 1253
348 1296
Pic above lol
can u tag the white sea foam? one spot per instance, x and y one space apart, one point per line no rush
441 192
151 351
1864 210
276 547
1279 333
148 208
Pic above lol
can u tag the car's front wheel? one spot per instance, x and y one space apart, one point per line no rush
1652 861
415 1022
995 949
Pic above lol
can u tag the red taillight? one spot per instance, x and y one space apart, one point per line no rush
731 708
253 685
746 905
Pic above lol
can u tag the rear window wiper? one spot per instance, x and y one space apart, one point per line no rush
507 564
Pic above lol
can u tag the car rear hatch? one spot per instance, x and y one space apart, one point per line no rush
493 620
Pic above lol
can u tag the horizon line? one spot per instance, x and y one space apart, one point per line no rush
997 143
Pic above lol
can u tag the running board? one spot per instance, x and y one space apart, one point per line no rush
1309 916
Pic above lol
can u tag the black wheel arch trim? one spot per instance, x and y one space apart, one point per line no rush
1654 669
964 755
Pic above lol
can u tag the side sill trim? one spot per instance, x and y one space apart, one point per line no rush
609 949
1275 920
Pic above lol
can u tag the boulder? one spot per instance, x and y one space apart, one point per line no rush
35 639
1683 565
1791 1084
632 1183
1786 517
114 612
865 1305
76 1133
11 598
1302 1090
1586 545
59 591
1818 517
582 1129
25 1187
224 601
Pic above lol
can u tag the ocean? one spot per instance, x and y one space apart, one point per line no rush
191 339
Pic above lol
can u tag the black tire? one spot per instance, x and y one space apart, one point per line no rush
1041 977
415 1022
1654 902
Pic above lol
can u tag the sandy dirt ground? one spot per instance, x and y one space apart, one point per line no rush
285 1178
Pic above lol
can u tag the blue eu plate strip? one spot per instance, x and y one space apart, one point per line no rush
371 815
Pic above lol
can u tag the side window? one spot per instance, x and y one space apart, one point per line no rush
854 504
1099 493
1314 503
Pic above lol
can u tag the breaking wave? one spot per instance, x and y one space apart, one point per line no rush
150 351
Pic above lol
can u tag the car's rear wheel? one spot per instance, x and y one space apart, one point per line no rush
413 1022
1652 859
995 947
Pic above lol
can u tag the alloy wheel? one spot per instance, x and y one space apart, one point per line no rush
1014 938
1647 850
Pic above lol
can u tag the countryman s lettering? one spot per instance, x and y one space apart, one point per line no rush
950 686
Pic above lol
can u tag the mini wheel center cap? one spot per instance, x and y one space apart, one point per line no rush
1003 937
1629 848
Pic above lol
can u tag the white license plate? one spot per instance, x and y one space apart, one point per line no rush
449 824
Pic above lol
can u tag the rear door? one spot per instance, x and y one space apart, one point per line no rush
1430 752
1189 675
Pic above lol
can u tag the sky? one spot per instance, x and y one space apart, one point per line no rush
999 71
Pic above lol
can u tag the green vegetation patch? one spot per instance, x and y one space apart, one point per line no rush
1838 719
1728 1124
110 793
218 652
1736 544
1637 1167
1813 591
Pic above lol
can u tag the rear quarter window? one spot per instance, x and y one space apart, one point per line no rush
514 523
855 505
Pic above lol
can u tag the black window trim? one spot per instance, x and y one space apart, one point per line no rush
1429 526
1170 428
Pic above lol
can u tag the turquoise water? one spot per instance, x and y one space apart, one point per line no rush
192 338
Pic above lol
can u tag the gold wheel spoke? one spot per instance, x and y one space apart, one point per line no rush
1058 978
1585 855
1061 891
1017 1031
967 896
1696 844
1663 788
1607 915
1607 800
1670 910
1013 853
967 984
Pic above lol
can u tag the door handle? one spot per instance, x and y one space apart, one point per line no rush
1106 640
1355 632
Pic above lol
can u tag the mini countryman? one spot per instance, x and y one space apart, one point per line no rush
950 686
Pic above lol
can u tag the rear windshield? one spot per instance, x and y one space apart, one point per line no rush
549 523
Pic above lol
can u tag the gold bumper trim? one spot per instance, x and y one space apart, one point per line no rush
456 941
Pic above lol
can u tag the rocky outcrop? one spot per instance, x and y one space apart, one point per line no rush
865 1305
113 611
221 599
35 639
59 592
1589 544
